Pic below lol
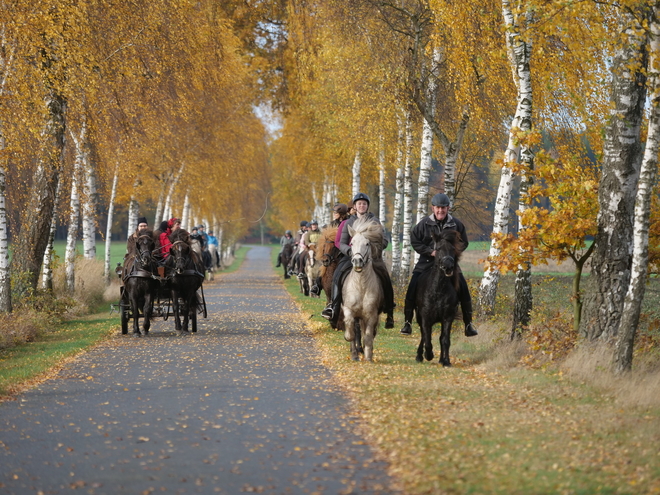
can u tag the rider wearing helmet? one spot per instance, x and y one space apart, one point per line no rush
331 312
293 264
287 238
309 238
422 242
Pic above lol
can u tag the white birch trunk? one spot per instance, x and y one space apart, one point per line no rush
90 199
381 185
357 166
5 279
47 265
522 119
632 307
220 234
167 211
398 202
7 50
328 201
158 218
133 208
72 233
185 216
520 53
108 228
452 151
406 251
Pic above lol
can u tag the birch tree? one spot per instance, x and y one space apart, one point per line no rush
407 199
632 306
398 201
108 229
72 232
357 169
622 155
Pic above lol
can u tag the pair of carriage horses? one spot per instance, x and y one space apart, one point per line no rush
178 275
362 294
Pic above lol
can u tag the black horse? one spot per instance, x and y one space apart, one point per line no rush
437 295
287 253
140 287
188 275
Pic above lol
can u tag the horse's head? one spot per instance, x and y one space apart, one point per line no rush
366 242
328 247
180 251
311 254
144 247
446 250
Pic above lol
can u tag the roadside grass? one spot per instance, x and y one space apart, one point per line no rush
492 423
24 365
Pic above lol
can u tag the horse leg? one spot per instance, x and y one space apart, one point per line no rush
426 342
186 315
369 326
175 308
445 341
349 330
135 305
358 336
146 311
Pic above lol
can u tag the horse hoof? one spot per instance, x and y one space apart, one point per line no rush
419 359
429 357
445 364
360 350
355 358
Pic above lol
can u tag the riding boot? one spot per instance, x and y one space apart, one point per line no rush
279 260
466 306
408 316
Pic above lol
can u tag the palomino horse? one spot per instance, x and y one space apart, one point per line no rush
139 285
362 294
188 277
312 265
437 295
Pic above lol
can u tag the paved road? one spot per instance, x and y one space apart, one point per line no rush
244 406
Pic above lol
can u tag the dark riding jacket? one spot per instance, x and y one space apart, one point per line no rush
422 242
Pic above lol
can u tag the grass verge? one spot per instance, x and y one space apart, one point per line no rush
489 424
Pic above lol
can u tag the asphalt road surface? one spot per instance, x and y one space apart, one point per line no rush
244 406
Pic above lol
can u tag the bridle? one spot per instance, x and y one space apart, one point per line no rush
446 261
145 257
327 258
180 260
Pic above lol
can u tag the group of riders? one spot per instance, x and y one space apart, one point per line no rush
203 243
421 240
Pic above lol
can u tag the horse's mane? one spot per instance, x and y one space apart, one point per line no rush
370 229
454 238
180 235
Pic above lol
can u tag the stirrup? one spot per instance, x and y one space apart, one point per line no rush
327 312
470 331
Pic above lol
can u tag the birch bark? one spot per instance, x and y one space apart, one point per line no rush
167 210
357 166
133 207
8 48
622 155
72 233
185 217
398 201
108 228
519 54
381 186
632 306
407 200
90 200
47 263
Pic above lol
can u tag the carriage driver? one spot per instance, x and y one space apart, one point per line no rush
422 242
142 225
331 312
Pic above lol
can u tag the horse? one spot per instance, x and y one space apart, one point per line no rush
139 285
362 294
188 275
437 295
287 254
329 259
312 265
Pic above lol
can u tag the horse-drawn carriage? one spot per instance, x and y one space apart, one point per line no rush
154 289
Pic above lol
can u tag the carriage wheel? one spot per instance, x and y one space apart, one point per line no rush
123 310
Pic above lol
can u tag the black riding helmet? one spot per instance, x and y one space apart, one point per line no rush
440 199
362 196
303 223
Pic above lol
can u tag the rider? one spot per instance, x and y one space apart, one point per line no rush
213 248
294 260
331 312
422 242
311 237
287 238
339 214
